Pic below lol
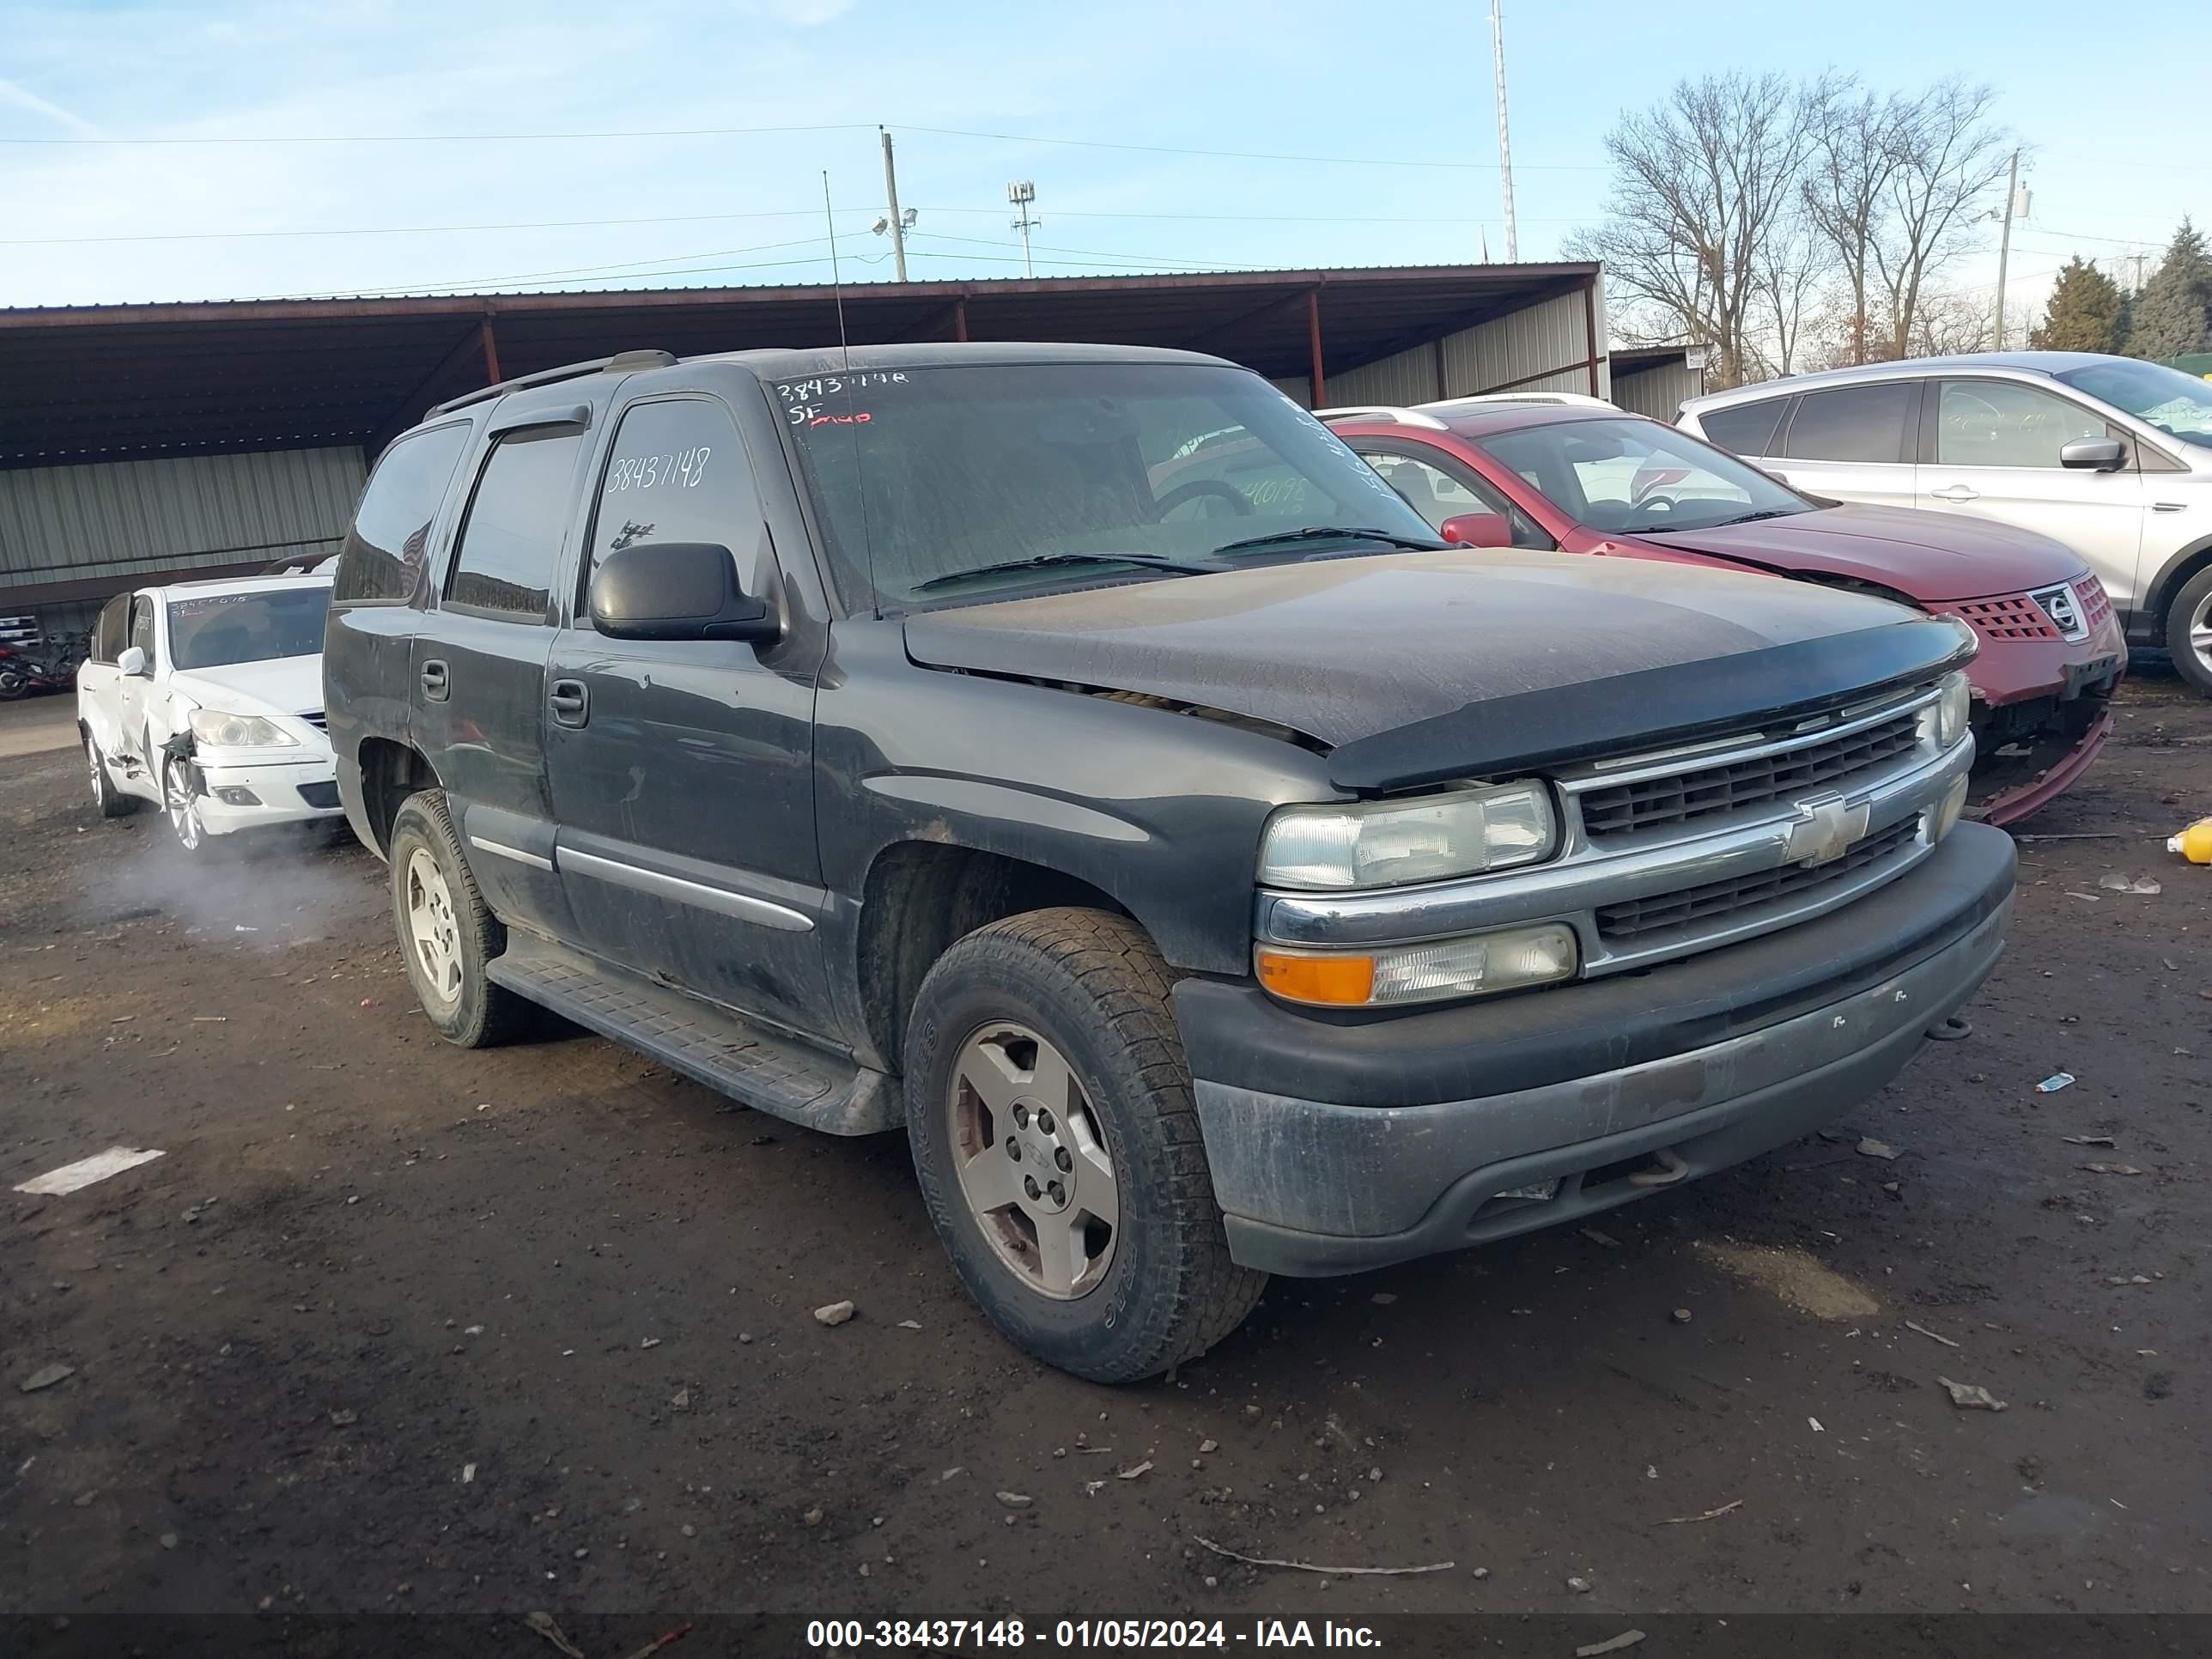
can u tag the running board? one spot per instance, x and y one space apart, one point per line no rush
709 1044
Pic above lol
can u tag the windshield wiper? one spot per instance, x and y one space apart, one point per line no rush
1046 561
1334 532
1753 518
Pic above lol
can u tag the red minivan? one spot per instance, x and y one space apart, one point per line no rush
1583 477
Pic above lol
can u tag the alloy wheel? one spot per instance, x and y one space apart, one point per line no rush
182 807
433 931
1033 1165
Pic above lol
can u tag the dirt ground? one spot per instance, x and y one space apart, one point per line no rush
391 1326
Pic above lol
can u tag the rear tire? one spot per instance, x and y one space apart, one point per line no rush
446 932
1062 1018
2189 631
112 802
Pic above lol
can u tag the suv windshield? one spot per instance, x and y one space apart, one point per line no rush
1636 475
216 630
1032 475
2158 395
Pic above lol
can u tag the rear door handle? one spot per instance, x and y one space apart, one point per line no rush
1956 493
434 681
570 702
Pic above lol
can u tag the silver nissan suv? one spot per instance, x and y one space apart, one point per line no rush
2110 455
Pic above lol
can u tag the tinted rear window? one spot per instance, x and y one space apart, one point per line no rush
1747 428
384 549
512 540
1863 424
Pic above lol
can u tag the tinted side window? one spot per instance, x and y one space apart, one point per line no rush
384 547
511 540
1862 424
1437 495
677 473
1747 428
1998 423
113 629
142 626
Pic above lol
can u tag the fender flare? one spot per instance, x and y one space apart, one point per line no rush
2169 580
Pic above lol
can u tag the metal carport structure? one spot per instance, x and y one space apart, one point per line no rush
138 442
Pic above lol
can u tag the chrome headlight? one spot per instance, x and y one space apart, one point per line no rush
221 731
1433 971
1948 720
1387 843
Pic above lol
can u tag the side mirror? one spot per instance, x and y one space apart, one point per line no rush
676 591
1477 529
132 660
2094 455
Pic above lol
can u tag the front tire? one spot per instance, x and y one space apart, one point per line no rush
181 802
112 802
2189 631
446 932
1050 1110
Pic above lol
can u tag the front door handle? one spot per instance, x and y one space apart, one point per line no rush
570 702
1956 493
434 681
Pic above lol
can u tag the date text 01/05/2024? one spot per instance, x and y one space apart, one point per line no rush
834 1634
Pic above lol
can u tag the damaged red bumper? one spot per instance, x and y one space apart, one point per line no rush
2042 702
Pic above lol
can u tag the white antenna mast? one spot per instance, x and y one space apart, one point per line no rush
1505 141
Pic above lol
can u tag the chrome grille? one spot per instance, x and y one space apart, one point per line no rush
314 718
1627 920
1707 791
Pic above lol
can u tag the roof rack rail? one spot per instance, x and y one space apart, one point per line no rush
1379 412
1570 399
621 360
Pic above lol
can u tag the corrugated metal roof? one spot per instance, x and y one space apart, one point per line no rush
84 383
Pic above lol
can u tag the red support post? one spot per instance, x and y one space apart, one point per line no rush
1313 346
490 353
1589 332
960 317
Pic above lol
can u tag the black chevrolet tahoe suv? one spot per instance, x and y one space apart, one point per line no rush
1077 754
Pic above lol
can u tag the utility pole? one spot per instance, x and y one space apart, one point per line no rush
890 190
2004 243
1505 142
1021 192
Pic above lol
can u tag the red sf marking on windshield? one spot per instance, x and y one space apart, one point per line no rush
860 419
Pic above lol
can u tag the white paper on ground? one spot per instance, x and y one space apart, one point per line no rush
86 1171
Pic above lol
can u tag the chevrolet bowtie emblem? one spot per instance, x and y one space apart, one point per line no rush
1826 827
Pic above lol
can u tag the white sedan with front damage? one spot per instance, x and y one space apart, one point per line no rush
206 699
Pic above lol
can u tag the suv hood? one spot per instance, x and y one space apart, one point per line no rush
1344 650
1936 557
280 685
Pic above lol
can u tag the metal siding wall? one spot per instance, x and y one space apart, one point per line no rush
1299 389
1501 353
1505 352
1659 392
127 518
1410 377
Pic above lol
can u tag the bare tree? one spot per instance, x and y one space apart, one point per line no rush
1949 156
1701 183
1856 150
1787 272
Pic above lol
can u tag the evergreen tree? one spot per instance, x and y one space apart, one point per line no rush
2173 314
2084 313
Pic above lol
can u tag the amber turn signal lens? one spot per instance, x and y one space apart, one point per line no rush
1337 982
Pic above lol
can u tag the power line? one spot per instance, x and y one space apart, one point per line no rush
1246 155
399 230
440 137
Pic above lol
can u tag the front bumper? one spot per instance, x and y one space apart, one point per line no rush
1339 1143
285 791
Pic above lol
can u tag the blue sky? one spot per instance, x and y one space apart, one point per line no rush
1409 83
